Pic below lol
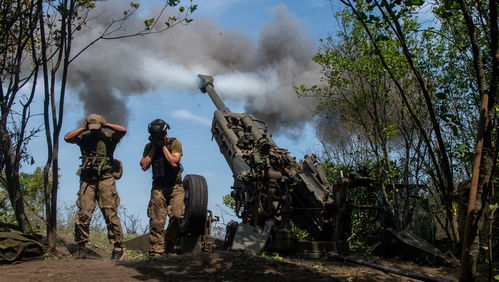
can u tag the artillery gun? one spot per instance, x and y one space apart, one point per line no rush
269 184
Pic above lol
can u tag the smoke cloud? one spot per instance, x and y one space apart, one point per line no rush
260 73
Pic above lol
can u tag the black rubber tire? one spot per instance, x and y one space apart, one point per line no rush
196 205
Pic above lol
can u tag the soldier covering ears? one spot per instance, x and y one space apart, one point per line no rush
167 194
97 140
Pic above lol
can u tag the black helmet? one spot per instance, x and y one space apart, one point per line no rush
158 127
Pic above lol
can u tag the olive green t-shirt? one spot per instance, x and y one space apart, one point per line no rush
176 148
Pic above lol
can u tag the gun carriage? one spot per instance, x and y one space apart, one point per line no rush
269 184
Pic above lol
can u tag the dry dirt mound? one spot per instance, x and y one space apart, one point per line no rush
217 266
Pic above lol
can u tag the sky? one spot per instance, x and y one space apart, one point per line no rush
256 50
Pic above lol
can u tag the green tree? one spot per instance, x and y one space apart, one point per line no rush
390 16
476 25
31 187
360 98
470 30
6 212
18 74
229 202
481 42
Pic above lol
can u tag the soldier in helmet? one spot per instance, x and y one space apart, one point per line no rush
167 194
97 140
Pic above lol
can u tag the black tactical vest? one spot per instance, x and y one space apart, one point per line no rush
162 172
97 151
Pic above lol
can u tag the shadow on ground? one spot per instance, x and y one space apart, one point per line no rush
231 266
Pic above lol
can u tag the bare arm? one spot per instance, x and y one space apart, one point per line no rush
120 130
172 158
70 137
146 160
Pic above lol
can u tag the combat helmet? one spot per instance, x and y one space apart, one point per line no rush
158 128
93 121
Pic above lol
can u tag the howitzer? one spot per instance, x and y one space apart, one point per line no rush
269 184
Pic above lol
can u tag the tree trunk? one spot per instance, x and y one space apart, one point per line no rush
12 179
490 233
54 190
485 153
46 171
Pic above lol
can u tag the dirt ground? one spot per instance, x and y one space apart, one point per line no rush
216 266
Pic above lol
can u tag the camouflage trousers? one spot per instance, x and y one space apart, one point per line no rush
104 193
165 201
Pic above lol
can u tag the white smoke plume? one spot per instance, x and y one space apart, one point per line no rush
259 74
183 114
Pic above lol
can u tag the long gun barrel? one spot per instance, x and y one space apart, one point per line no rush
269 184
207 87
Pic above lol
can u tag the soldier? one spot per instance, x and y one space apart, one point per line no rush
97 140
167 194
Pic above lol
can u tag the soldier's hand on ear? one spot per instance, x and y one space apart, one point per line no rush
158 142
164 141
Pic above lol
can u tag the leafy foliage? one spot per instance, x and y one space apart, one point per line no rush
301 234
6 211
229 201
272 256
439 73
359 96
32 190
